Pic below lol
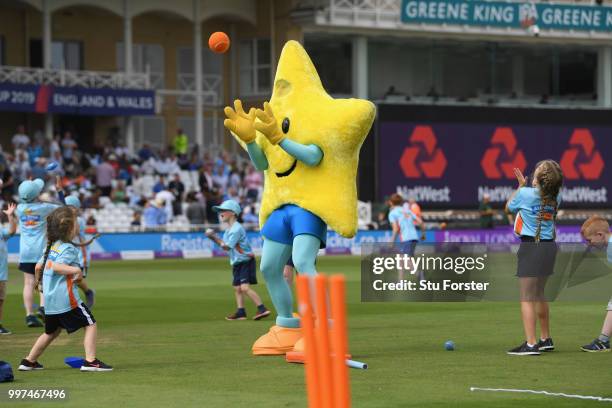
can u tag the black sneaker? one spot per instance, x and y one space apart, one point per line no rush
262 314
90 297
525 350
27 365
95 365
4 330
596 346
32 321
546 345
236 316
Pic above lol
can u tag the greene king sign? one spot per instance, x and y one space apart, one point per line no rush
507 14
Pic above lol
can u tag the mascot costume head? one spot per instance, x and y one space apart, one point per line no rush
307 144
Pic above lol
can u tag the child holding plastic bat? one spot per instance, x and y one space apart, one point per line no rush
241 257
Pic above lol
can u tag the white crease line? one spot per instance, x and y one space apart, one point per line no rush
552 394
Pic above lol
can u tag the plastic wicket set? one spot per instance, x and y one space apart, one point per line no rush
325 342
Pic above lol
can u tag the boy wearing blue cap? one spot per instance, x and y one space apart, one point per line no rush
32 214
5 234
241 257
84 253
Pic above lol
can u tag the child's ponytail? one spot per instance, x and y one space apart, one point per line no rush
39 272
539 220
550 180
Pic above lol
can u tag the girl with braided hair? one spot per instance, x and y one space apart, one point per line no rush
536 210
58 272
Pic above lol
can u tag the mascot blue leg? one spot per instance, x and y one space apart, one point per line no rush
273 259
305 250
283 337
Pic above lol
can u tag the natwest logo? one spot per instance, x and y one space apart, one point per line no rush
502 157
422 158
581 160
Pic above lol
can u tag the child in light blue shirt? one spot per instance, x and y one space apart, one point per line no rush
403 221
536 208
242 259
596 232
32 214
57 273
5 234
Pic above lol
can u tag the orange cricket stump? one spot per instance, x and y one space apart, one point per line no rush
307 322
325 348
339 342
323 342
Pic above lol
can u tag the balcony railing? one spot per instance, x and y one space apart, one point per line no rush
212 89
376 13
86 79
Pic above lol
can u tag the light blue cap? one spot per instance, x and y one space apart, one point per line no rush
73 201
29 190
228 205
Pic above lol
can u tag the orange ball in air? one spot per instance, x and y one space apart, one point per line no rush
219 42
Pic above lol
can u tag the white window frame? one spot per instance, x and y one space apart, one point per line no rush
185 79
253 68
64 44
140 133
210 128
138 65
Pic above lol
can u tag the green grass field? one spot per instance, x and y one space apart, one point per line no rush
161 325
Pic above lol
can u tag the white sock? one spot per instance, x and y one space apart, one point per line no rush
530 345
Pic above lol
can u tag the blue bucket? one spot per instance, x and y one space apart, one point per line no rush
74 362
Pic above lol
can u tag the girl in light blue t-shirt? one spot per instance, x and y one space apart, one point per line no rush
5 234
536 210
58 272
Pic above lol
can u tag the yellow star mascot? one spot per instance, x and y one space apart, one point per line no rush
307 144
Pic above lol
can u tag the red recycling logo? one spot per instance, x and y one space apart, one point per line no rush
502 157
422 158
581 160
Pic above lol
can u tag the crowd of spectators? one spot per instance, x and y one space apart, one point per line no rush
158 184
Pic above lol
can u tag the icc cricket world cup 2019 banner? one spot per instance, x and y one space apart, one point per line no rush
76 100
454 163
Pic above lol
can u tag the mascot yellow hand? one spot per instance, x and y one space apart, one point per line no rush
268 125
239 122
